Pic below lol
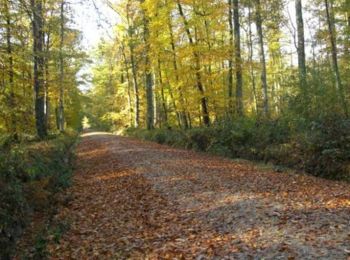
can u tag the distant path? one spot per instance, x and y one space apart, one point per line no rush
139 200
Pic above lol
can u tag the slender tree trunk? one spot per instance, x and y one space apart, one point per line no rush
182 113
251 65
47 78
129 95
200 87
230 62
37 25
136 88
301 46
134 71
129 84
172 99
332 37
238 59
149 75
61 64
11 96
162 96
262 57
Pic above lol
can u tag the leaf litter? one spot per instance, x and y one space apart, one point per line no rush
140 200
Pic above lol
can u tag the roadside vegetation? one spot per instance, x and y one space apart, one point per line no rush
32 174
320 147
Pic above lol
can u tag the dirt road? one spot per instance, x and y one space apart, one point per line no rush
138 200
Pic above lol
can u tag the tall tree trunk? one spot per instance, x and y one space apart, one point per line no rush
38 39
262 57
230 61
238 59
162 95
61 64
136 88
133 70
301 46
199 83
251 65
182 113
47 78
172 99
332 37
130 109
149 74
11 95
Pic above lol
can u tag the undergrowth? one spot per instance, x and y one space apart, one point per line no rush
31 174
320 146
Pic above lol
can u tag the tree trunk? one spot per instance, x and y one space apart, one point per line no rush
182 113
11 96
134 71
251 66
37 26
61 64
238 59
149 75
203 100
129 84
230 61
332 37
47 78
262 57
301 46
162 95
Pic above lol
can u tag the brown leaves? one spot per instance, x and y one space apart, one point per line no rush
138 200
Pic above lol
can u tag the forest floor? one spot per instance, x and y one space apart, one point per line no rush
139 200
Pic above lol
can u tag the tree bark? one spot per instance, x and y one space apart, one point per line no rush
230 61
332 38
38 39
251 66
10 72
182 113
203 100
301 46
149 74
134 71
46 80
262 57
238 59
61 80
162 95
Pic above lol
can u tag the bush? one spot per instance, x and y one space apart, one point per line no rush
318 146
30 174
325 147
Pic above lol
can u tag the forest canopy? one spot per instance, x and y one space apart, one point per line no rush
194 63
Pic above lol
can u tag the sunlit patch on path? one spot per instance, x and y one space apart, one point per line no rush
139 200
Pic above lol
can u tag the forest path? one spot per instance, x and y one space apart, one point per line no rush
139 200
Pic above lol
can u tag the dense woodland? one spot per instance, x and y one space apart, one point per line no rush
261 80
253 79
195 63
40 58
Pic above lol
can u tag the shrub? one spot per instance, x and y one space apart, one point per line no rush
30 174
320 146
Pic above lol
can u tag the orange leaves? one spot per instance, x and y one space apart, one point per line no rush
138 200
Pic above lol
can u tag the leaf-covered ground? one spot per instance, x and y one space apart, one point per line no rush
139 200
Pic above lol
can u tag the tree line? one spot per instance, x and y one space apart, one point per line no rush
40 58
194 63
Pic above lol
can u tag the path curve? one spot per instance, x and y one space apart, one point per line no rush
139 200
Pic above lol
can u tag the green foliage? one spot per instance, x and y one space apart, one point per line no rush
320 146
31 173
